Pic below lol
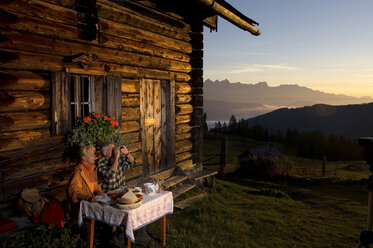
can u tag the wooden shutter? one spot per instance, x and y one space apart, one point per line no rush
61 104
114 97
99 96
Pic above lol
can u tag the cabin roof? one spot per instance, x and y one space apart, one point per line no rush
207 10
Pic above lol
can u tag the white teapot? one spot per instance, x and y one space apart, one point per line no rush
151 188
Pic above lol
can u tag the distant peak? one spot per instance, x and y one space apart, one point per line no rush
262 84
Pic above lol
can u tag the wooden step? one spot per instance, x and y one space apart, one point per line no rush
172 181
182 189
204 173
190 201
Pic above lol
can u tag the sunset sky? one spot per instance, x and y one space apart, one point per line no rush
325 45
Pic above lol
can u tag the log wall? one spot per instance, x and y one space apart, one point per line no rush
40 36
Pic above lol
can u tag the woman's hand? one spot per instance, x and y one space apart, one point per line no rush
100 193
92 199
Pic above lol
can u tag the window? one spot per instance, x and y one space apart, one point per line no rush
75 96
81 96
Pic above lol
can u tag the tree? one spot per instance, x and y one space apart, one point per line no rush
204 123
233 124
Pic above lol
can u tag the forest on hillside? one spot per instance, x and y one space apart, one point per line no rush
307 144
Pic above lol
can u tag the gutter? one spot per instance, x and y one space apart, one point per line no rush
237 19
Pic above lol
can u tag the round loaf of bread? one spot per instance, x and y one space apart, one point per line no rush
128 198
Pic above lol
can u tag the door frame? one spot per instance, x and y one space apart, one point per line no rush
168 134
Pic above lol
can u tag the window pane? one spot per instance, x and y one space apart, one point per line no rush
85 110
72 89
73 115
85 89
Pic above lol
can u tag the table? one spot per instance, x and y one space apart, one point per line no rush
153 207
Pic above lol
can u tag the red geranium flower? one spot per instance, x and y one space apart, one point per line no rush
113 117
86 119
106 117
97 115
94 121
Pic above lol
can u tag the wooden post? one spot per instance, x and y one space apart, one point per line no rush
128 241
163 230
323 165
223 156
91 233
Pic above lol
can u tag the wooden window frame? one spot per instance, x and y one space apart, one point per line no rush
104 97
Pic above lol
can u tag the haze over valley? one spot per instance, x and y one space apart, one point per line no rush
223 99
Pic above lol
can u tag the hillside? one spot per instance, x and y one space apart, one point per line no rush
350 121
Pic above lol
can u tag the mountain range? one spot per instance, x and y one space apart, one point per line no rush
223 99
349 121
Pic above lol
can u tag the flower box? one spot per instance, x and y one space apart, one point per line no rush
6 224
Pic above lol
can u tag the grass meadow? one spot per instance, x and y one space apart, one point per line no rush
300 210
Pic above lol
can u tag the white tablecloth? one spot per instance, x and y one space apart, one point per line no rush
152 208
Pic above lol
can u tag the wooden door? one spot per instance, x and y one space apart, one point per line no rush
157 111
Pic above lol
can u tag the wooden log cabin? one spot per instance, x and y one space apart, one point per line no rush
138 60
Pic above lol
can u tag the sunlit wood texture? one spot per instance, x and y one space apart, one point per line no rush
133 42
197 91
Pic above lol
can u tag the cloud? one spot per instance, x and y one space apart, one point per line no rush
259 68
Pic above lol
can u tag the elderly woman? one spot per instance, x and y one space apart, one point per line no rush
83 184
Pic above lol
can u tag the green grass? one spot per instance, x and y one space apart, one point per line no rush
288 212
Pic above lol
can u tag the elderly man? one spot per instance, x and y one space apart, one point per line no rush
111 169
111 166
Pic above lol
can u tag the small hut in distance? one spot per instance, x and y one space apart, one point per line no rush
266 152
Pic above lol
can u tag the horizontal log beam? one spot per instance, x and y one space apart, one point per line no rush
134 172
64 3
183 146
42 10
11 59
24 100
23 23
183 128
130 126
41 181
125 17
182 88
24 80
19 139
130 100
148 13
137 34
52 150
24 120
130 114
182 98
187 164
183 136
130 138
180 119
33 168
134 147
130 86
184 109
43 45
124 44
183 156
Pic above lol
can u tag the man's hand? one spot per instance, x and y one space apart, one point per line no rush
124 149
116 152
